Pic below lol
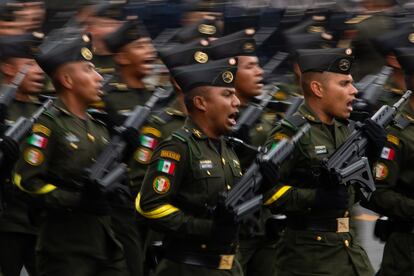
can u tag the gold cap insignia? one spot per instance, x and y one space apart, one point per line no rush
248 47
344 65
200 57
316 29
86 53
411 37
227 77
207 29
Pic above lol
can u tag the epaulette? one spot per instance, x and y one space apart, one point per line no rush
294 122
52 112
182 134
358 19
163 117
402 122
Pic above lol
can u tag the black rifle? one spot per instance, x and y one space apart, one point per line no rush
243 199
295 102
348 163
253 112
272 64
370 89
108 166
8 91
21 128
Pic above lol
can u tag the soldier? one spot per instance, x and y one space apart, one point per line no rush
189 170
318 238
75 235
17 234
394 177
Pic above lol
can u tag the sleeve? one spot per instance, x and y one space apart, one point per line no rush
32 171
164 178
285 196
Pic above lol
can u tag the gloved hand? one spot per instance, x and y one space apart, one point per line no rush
10 150
225 228
376 136
334 197
93 198
270 173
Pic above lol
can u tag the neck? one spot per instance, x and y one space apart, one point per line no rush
131 80
205 125
73 104
398 78
318 110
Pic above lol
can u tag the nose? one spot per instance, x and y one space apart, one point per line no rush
236 101
259 71
354 91
98 76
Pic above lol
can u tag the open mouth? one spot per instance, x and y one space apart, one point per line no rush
232 118
349 105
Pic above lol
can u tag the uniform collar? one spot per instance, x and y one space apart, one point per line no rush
311 116
191 126
60 105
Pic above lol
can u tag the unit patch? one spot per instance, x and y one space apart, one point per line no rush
206 164
380 171
148 142
393 139
320 150
161 184
151 130
37 141
41 129
142 155
33 156
171 155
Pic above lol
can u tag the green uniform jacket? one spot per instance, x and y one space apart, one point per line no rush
305 252
15 217
185 176
60 148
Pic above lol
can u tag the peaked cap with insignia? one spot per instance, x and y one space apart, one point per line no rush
20 46
337 60
109 9
405 57
185 54
221 73
70 47
130 31
241 43
208 27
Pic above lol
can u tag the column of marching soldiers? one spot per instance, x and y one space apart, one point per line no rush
219 164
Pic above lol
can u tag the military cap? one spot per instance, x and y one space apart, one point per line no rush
336 60
405 56
241 43
70 48
130 31
401 37
109 9
221 73
185 54
208 27
295 41
20 46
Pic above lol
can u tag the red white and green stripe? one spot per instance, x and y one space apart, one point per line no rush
148 142
37 141
166 166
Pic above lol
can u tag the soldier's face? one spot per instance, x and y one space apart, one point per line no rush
249 78
86 82
33 82
139 57
222 109
338 95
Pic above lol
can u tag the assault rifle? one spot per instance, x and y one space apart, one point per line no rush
243 198
348 164
21 128
272 64
370 89
8 91
108 166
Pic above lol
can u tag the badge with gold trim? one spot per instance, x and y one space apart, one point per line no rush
227 77
33 156
207 29
86 53
380 171
200 57
161 184
143 155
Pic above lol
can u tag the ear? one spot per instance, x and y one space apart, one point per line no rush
8 69
200 103
121 58
66 80
317 89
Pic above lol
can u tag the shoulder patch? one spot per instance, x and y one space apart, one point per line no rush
148 142
161 184
280 136
380 171
143 155
388 153
393 139
171 155
33 156
39 128
166 166
151 130
37 141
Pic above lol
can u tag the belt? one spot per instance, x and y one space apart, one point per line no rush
338 225
222 262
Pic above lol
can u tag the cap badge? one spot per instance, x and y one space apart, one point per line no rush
344 65
411 37
227 77
86 53
207 29
248 47
200 57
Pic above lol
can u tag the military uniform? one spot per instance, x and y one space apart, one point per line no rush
317 241
394 178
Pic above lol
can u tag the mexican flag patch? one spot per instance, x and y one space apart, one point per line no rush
148 142
37 141
166 166
388 153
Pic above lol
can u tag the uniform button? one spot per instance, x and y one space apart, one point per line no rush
208 172
228 187
346 242
203 246
91 137
223 161
318 238
93 159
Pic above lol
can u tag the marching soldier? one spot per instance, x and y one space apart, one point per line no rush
17 233
318 238
394 177
189 170
75 235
